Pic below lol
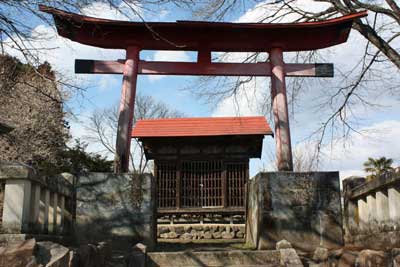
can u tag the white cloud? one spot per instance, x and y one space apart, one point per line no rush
163 14
377 140
170 56
108 82
246 102
264 9
61 54
176 56
106 11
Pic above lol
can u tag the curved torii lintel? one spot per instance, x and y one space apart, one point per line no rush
196 35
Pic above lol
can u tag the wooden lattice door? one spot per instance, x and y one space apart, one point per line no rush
166 184
236 176
202 184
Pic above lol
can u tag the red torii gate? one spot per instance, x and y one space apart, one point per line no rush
203 37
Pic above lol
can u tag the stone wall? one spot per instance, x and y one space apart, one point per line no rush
303 208
33 106
114 207
372 212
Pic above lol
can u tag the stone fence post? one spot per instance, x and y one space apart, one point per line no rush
350 210
371 211
32 204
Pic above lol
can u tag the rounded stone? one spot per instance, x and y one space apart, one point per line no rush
163 230
321 254
283 244
172 235
207 235
239 234
179 230
227 235
186 236
217 235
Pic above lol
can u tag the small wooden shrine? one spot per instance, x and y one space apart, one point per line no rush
202 163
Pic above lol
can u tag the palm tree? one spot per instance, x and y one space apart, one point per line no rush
377 167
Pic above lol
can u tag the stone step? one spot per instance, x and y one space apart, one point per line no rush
266 258
117 259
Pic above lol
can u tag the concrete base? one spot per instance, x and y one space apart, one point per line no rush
14 238
372 212
214 258
120 208
303 208
384 240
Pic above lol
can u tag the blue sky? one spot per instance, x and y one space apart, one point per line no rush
380 126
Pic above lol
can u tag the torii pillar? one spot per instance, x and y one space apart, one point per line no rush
284 158
126 110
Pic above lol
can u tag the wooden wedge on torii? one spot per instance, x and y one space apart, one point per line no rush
203 37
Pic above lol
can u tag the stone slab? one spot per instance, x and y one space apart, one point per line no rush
16 206
19 254
52 254
303 208
17 171
6 239
116 207
214 258
290 258
381 182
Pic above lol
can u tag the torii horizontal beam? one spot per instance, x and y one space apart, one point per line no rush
206 69
275 68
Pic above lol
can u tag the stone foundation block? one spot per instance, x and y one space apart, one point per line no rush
372 258
303 208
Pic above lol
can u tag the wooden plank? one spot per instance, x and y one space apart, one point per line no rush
178 184
87 66
232 69
224 185
205 69
195 210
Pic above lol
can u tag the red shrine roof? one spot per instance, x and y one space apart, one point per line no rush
215 126
197 35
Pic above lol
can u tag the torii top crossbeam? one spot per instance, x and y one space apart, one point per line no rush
197 35
203 37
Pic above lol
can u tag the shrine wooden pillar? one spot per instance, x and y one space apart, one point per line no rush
280 111
126 110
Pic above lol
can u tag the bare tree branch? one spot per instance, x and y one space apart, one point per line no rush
104 122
